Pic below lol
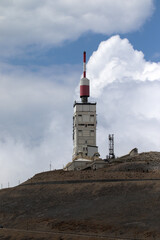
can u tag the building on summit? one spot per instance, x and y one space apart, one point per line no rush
84 121
85 151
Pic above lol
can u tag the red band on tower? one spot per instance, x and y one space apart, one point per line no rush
84 91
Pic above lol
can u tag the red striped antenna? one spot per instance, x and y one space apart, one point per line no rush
84 83
84 64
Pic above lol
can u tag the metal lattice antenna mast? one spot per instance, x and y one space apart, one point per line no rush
111 146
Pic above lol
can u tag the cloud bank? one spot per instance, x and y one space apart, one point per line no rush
48 23
126 87
35 120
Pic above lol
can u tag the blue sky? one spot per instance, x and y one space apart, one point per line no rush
70 51
41 47
147 38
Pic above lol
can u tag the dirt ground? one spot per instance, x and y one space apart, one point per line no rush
120 201
27 235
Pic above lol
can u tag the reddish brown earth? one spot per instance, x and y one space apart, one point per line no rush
120 201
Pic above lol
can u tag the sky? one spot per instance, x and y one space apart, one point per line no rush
41 52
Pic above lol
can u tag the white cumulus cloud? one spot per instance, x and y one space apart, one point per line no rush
35 120
126 87
116 60
47 23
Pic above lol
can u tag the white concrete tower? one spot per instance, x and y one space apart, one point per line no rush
84 121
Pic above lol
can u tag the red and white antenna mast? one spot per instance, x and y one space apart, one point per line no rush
84 83
84 64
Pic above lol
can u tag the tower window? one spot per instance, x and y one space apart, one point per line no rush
92 133
84 148
92 118
79 132
80 118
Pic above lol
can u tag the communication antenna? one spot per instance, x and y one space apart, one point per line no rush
84 64
84 83
111 146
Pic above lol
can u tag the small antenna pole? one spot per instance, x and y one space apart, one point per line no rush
84 64
111 146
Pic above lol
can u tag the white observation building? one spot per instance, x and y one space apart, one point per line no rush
84 122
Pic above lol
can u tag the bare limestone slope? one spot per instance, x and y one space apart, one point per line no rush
120 200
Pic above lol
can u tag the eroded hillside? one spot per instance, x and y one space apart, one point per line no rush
122 199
